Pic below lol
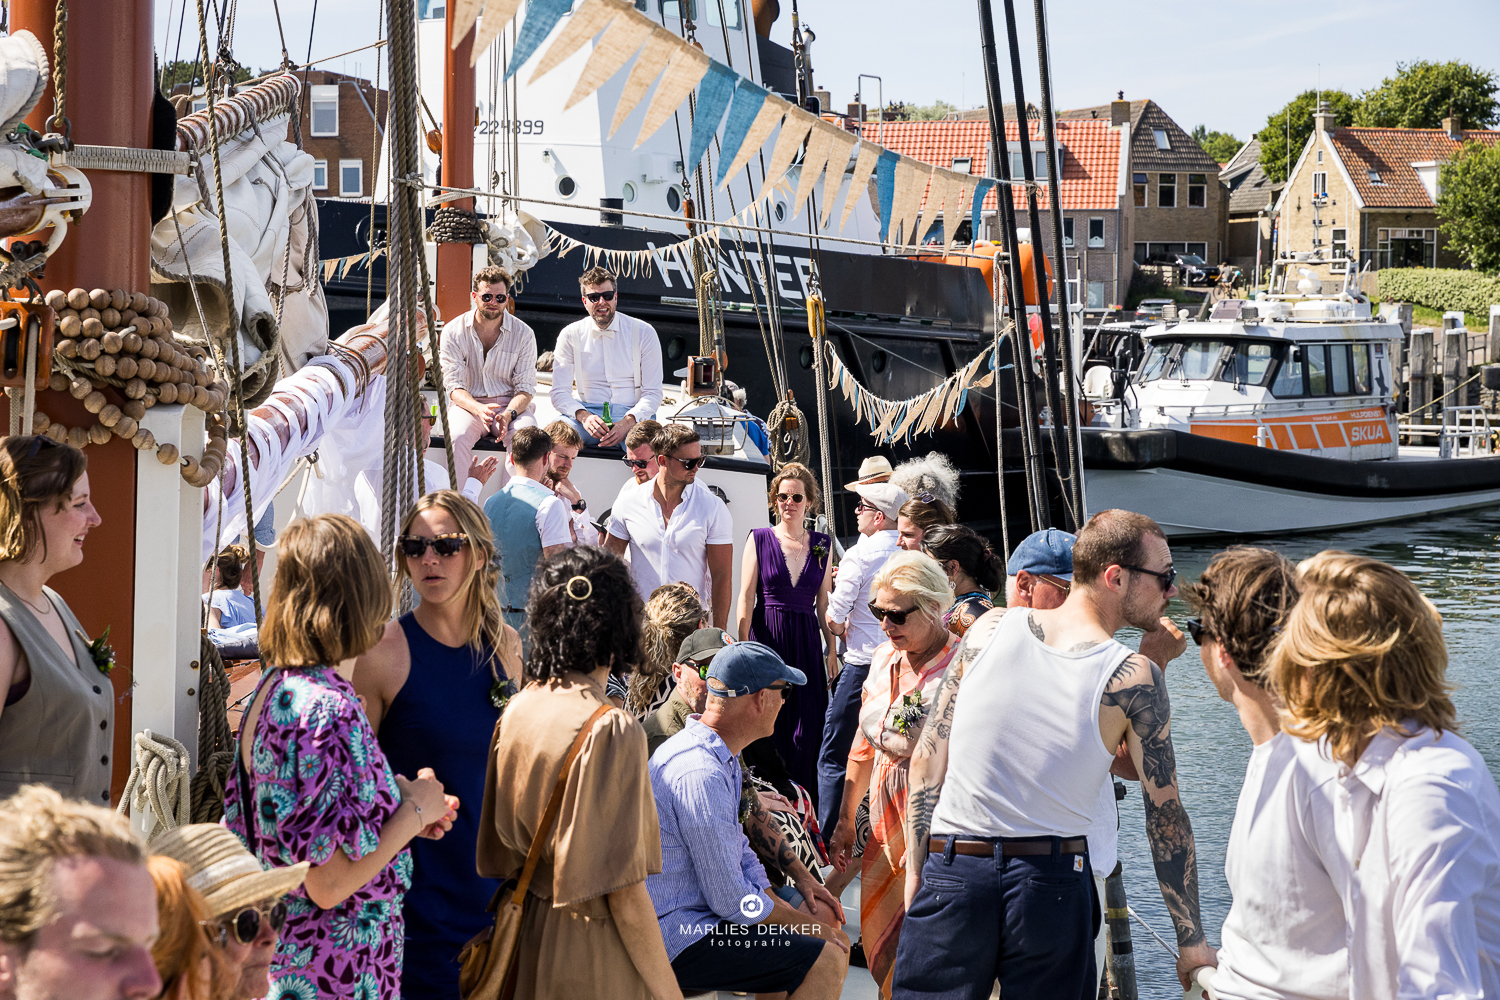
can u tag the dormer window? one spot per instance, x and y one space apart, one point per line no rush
1161 138
1375 177
963 164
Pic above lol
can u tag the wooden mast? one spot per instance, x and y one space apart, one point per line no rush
455 261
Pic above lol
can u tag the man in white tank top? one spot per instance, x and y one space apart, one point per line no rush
1005 779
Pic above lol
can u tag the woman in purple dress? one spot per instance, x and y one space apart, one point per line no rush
315 781
784 582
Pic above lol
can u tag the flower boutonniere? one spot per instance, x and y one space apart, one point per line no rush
100 651
500 692
820 552
910 713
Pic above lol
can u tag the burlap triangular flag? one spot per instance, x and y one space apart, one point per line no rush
771 112
962 197
653 58
591 17
683 72
622 39
906 199
819 143
794 129
864 166
465 13
838 161
497 14
939 195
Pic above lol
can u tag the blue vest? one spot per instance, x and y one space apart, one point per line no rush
512 513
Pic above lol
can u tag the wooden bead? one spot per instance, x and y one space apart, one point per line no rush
89 349
166 393
167 454
78 437
70 326
201 378
67 348
158 326
92 327
110 318
200 397
127 317
80 388
136 388
148 400
144 440
78 298
94 401
166 323
58 433
189 467
112 342
126 366
107 365
57 299
134 409
125 428
133 342
149 348
146 368
138 301
99 298
119 298
99 434
89 313
110 415
40 422
58 382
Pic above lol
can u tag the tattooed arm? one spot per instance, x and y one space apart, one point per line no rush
1138 691
772 847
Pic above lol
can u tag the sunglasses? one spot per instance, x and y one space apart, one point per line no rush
414 547
245 925
1062 585
687 463
1167 579
896 617
862 506
1196 630
785 689
636 463
789 498
600 296
493 297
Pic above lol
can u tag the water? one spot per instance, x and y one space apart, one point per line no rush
1455 560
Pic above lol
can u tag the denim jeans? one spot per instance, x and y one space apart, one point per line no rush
589 440
839 725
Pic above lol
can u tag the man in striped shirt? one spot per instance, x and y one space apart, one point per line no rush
488 359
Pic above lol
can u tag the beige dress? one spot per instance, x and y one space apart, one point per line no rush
606 837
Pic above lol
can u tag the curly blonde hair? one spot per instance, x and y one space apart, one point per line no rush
1361 650
673 613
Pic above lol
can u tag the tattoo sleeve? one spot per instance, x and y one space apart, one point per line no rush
769 843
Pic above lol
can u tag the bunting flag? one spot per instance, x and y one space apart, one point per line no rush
497 14
794 129
911 181
843 144
343 265
922 414
744 111
622 39
885 187
541 17
687 66
772 109
714 95
591 17
942 196
819 143
962 193
981 189
648 65
465 13
864 167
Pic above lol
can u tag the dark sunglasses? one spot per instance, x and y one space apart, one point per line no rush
792 497
414 547
493 297
598 296
1167 579
785 689
636 463
245 925
896 617
687 463
862 506
1196 630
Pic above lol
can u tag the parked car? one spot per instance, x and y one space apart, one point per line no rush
1154 308
1191 269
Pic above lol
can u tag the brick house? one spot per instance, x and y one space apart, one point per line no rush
1252 205
1378 188
1089 186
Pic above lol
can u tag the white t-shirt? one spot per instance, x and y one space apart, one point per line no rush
1285 937
551 517
676 551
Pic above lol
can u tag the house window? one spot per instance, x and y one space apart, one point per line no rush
1067 232
1198 250
1320 156
1140 190
1375 177
1340 242
1197 190
963 164
1095 298
320 175
1096 232
325 110
1166 190
1017 164
200 104
1161 138
1319 183
1041 164
351 178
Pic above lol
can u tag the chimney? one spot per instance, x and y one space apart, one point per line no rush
1454 126
1323 119
1119 111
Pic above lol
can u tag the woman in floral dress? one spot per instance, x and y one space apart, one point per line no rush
314 777
904 676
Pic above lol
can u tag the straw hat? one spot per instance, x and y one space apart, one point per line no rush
219 867
875 469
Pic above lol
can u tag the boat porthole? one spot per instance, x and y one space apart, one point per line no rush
567 186
629 193
805 356
878 360
780 211
674 198
676 348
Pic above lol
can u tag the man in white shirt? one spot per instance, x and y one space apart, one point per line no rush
1362 667
606 369
849 617
676 530
488 359
1285 937
528 519
565 447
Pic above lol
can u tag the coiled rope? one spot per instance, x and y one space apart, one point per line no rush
451 224
158 782
215 738
789 440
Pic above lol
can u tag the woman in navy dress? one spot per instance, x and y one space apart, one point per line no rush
784 583
434 688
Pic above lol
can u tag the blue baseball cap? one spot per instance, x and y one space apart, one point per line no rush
1048 552
747 667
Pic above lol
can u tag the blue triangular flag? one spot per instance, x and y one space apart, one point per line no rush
885 187
980 190
714 94
541 17
749 98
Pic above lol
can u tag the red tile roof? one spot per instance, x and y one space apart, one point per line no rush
1090 148
1390 152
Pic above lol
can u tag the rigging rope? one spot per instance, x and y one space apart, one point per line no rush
158 781
374 163
59 121
215 737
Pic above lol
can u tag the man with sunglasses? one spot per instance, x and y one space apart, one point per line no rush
606 369
488 359
1005 783
529 520
246 902
723 928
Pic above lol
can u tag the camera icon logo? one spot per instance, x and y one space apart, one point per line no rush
753 906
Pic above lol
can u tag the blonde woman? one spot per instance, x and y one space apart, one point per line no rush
673 613
911 592
434 686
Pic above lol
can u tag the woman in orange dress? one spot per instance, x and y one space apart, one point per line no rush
911 594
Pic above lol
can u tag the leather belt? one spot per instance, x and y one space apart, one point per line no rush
1008 848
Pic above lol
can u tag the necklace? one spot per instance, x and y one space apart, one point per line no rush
40 611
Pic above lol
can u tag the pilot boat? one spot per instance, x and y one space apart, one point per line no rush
1276 415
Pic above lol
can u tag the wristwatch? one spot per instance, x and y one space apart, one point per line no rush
510 414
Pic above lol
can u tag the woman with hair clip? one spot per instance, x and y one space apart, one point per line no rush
588 927
433 688
673 613
973 569
57 722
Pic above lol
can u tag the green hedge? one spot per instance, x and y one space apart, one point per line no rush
1439 288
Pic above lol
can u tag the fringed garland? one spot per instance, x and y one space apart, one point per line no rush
919 415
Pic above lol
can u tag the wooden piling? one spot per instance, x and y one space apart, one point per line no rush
1455 368
1121 951
1492 346
1419 379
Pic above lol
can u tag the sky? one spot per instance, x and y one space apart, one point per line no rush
1226 66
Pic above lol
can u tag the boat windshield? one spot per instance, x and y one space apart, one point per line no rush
1249 364
1155 361
1184 359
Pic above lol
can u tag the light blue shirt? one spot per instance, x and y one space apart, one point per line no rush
707 867
234 608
